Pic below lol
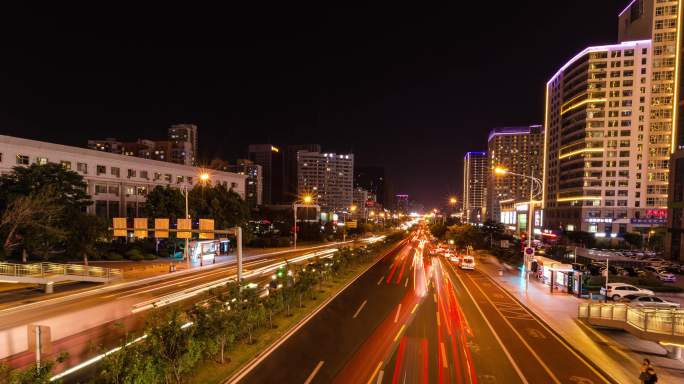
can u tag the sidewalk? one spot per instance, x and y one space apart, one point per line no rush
618 353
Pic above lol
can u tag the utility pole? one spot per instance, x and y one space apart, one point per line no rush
187 216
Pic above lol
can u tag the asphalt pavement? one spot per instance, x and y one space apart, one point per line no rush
414 318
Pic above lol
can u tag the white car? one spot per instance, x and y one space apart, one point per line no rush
666 276
468 262
648 301
618 290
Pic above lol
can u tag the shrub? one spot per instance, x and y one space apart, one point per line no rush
150 256
164 252
113 256
134 254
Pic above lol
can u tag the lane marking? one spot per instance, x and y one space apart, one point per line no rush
505 319
396 317
445 364
437 318
360 308
315 371
380 375
491 328
374 372
264 354
549 330
406 283
380 281
434 296
414 308
399 333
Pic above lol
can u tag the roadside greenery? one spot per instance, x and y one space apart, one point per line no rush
227 320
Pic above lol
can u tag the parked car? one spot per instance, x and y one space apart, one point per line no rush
648 301
635 272
617 290
666 276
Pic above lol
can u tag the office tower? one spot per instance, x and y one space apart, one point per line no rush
329 177
475 172
372 179
402 203
519 150
290 169
253 184
270 159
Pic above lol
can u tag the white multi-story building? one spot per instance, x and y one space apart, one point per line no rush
329 177
600 153
118 184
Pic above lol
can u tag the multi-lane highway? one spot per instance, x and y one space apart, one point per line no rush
86 322
416 318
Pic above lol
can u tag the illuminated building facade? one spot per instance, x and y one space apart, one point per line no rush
612 122
519 150
475 172
329 177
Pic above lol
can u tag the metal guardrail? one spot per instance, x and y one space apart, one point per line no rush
47 270
651 320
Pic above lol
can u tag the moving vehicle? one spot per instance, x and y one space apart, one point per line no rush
666 276
648 301
617 290
468 262
454 258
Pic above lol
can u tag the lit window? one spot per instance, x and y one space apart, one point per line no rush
22 160
41 160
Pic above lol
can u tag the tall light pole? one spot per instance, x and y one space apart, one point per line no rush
306 200
530 213
203 177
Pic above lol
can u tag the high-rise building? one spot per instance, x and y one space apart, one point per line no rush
360 201
475 172
519 150
602 167
270 159
290 169
372 179
674 241
180 146
183 138
329 177
402 203
253 184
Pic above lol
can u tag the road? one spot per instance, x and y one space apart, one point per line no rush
83 323
414 318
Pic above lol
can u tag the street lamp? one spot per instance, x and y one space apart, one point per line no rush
530 214
203 177
305 201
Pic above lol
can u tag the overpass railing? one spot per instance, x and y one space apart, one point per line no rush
652 320
47 270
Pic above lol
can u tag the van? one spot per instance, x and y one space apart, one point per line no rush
468 262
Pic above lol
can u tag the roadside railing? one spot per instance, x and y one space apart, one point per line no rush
46 270
662 321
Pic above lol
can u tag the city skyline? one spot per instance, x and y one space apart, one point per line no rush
334 97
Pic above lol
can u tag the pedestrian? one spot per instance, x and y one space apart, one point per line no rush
651 378
643 374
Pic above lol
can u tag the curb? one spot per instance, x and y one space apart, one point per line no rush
541 319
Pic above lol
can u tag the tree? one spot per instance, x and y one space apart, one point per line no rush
85 231
32 222
493 230
165 202
215 325
68 187
35 374
223 205
42 205
131 364
173 347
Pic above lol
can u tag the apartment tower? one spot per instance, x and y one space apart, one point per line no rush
475 171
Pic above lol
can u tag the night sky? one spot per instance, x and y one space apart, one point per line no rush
410 88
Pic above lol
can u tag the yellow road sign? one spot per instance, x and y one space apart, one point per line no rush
206 225
184 224
119 226
140 227
161 228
